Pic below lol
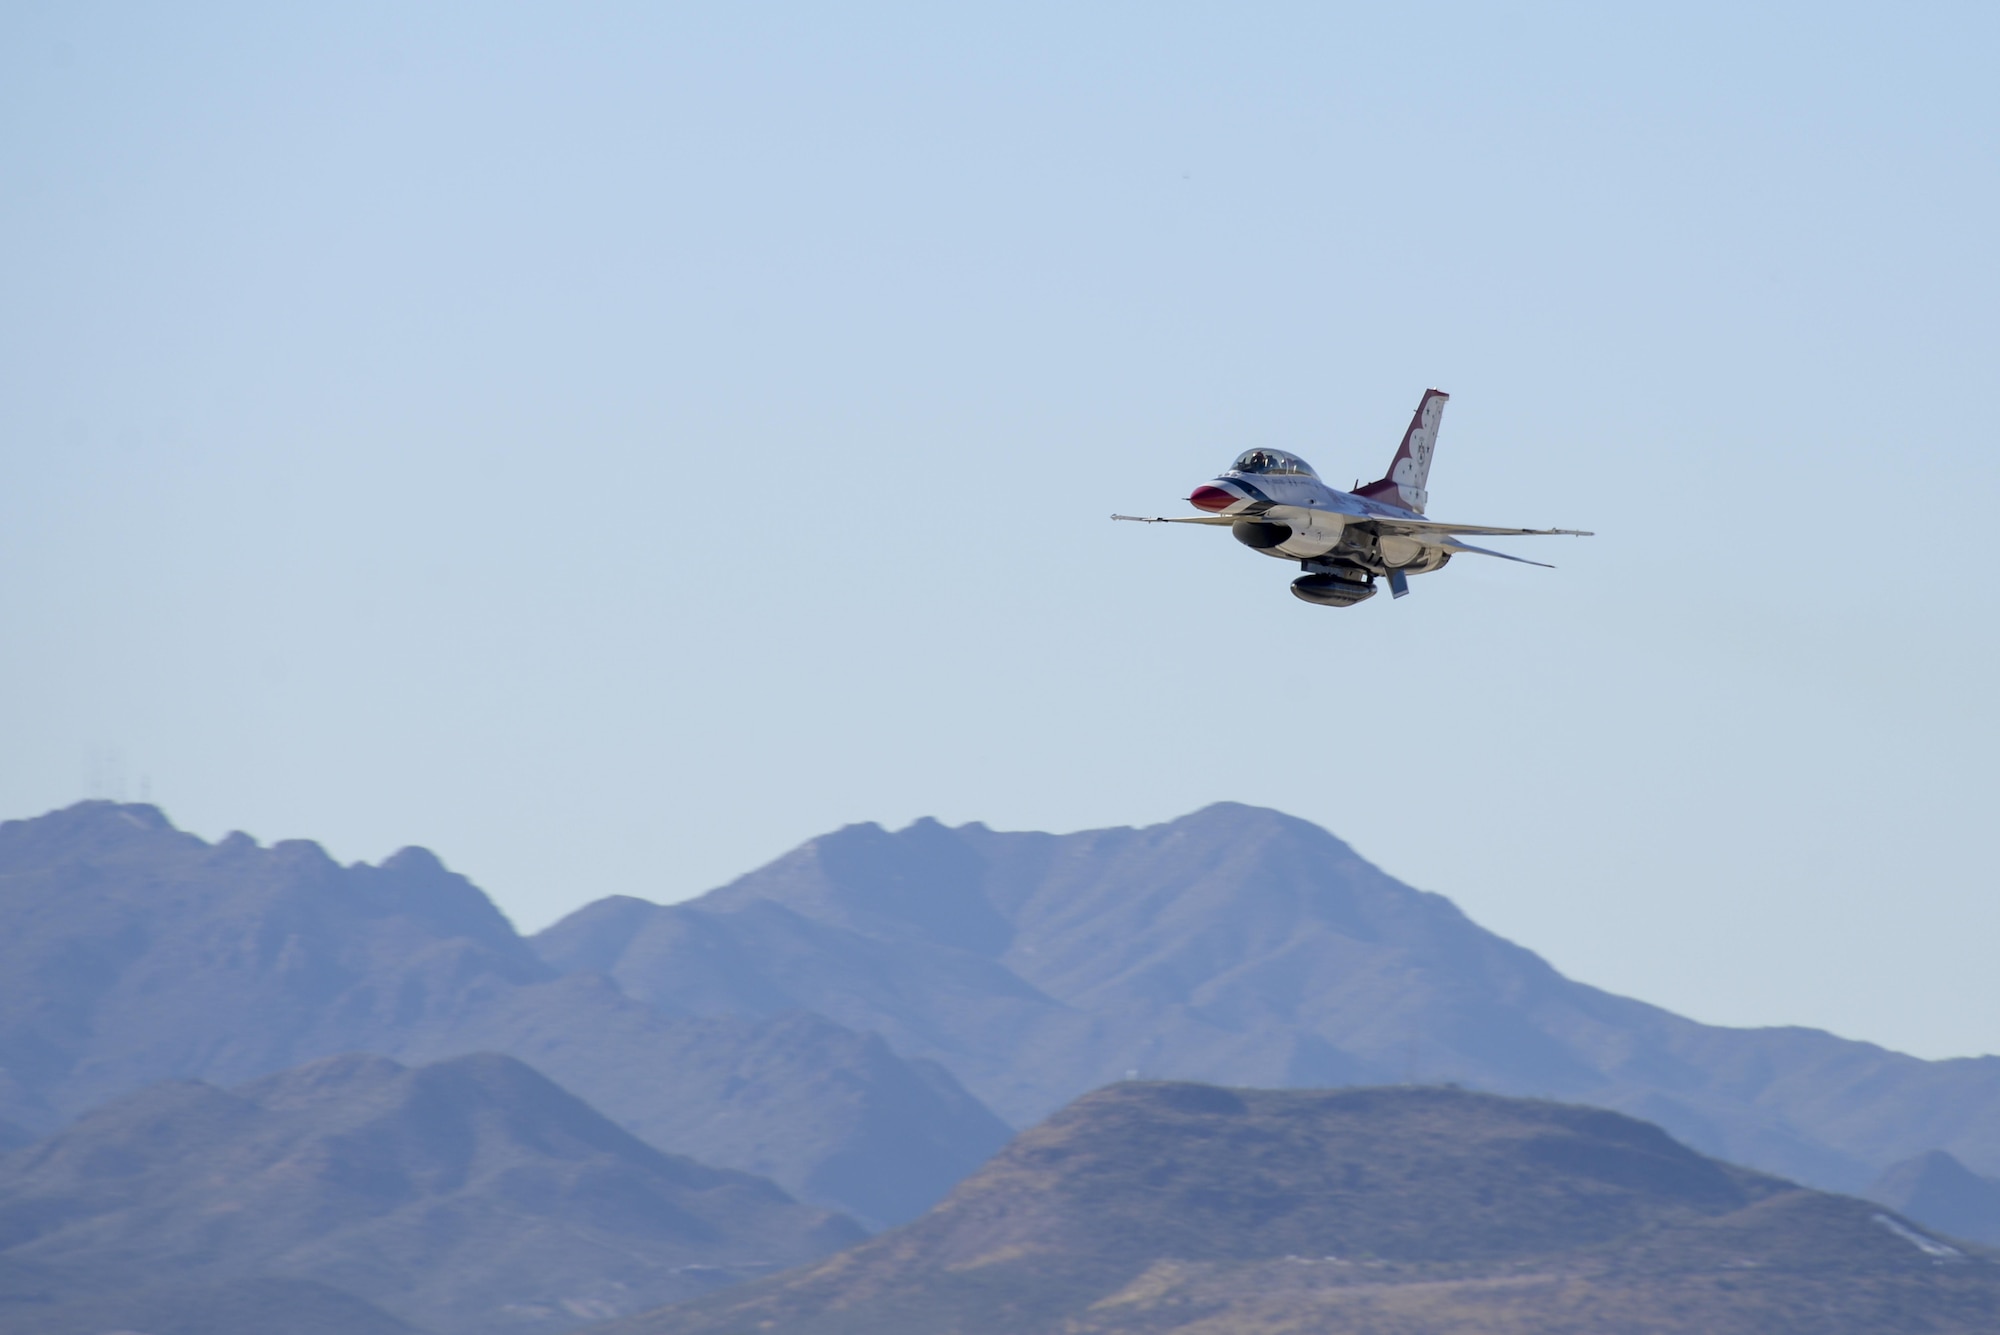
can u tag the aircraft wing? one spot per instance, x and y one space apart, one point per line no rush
1419 528
1430 532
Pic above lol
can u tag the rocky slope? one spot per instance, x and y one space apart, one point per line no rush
1242 946
468 1196
36 1301
131 953
1166 1207
1940 1192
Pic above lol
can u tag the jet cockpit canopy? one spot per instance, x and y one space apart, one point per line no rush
1272 461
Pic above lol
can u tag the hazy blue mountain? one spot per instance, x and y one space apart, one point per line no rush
131 953
834 1116
467 1196
1937 1190
1242 946
37 1301
1183 1209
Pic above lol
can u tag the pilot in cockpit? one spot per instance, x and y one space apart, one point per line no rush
1271 461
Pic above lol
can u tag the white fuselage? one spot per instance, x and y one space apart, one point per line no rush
1317 516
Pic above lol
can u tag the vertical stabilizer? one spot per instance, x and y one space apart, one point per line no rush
1404 483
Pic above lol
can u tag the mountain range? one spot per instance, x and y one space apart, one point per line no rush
1173 1208
859 1023
466 1196
1244 947
132 953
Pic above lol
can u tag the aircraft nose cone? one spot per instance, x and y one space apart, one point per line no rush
1213 499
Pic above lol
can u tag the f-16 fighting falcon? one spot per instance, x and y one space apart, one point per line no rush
1273 502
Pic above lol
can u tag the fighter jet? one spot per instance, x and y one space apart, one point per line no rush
1272 502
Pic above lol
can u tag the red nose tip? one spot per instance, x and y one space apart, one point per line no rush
1212 498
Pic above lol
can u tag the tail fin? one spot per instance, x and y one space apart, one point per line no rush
1403 484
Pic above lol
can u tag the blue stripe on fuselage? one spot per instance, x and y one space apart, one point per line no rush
1339 502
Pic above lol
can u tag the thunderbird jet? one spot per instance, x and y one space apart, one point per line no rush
1272 502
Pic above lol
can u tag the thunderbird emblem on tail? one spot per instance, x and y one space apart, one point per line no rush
1273 502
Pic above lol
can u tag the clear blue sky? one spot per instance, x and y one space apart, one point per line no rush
609 444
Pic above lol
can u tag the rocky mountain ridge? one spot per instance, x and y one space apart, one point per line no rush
132 953
1944 1194
820 1021
466 1196
1244 947
1169 1207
